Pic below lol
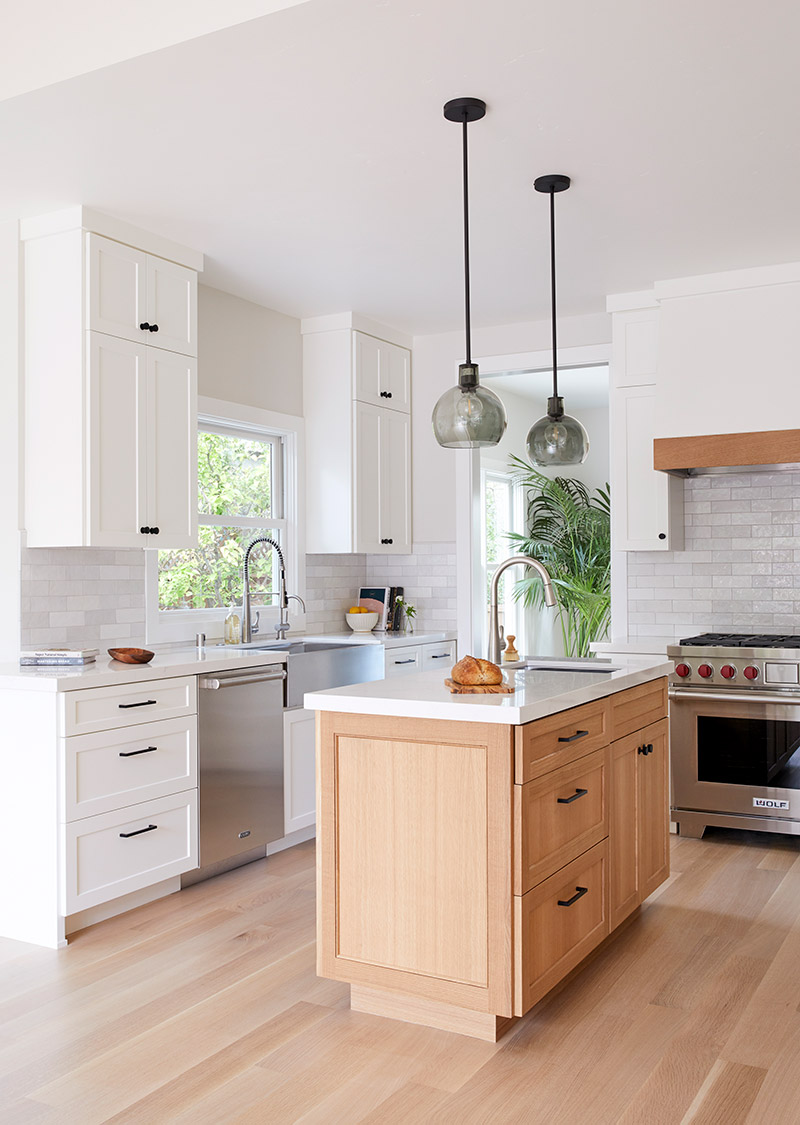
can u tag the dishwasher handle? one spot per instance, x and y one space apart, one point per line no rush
213 683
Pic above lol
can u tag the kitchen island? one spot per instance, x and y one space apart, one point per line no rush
473 849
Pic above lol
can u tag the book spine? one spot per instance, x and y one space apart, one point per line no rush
60 654
49 661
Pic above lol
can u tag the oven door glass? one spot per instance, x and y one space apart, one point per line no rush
741 751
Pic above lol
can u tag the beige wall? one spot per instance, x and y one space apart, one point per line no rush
435 366
249 354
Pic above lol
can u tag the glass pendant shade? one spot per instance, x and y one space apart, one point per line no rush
555 440
469 418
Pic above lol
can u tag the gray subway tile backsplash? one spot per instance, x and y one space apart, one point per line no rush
741 557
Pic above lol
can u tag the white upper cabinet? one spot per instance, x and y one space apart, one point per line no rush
647 505
382 467
111 414
140 297
382 372
356 394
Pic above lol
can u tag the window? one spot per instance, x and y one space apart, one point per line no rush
502 513
247 488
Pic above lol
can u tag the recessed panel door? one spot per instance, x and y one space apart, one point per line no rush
116 288
171 306
171 450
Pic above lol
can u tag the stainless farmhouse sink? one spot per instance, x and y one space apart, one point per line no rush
318 665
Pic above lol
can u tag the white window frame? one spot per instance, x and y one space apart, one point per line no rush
183 624
498 470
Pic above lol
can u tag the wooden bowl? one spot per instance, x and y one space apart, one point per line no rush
131 655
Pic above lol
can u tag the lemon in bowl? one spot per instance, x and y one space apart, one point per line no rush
361 622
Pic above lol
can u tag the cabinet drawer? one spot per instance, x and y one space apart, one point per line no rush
557 924
102 863
109 770
103 708
439 656
638 707
558 816
400 660
546 744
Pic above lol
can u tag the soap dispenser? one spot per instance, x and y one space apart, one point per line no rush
232 630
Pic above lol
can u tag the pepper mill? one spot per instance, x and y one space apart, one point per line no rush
510 653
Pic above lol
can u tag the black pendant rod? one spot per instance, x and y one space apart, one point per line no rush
553 288
467 318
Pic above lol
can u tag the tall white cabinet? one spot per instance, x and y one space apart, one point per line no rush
357 403
647 505
110 387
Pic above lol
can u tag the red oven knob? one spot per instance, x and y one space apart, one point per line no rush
705 670
728 671
751 672
682 669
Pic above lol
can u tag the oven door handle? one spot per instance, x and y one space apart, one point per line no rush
735 697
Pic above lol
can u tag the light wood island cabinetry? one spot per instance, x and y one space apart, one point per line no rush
465 868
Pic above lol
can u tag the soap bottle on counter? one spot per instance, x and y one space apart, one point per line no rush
232 629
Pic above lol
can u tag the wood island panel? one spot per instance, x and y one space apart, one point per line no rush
638 707
414 846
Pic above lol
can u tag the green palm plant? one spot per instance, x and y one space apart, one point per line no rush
569 530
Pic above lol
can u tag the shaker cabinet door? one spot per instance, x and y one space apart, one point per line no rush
116 277
172 306
117 469
382 373
171 450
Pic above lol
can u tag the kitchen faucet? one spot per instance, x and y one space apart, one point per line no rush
495 640
249 627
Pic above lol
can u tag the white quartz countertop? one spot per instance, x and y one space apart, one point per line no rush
184 661
538 693
645 646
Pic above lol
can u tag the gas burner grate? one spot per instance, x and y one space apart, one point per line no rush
741 640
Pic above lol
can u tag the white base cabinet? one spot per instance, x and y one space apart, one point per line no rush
423 657
299 770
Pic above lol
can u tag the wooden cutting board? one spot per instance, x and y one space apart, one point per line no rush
478 689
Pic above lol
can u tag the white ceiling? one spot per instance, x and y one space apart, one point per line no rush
46 41
306 154
582 388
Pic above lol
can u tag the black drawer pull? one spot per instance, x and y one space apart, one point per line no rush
144 703
579 893
564 800
411 660
133 753
573 737
138 832
439 655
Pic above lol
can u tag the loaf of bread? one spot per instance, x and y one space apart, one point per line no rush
473 671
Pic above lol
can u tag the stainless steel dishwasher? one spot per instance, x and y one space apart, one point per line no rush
241 761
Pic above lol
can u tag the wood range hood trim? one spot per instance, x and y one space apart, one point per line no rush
727 453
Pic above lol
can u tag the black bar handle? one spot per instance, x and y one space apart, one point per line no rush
133 753
144 703
579 893
138 832
411 660
564 800
573 737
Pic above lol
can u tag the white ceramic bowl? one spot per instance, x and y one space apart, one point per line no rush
362 622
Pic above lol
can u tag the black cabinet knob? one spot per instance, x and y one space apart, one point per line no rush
387 540
154 328
144 530
662 535
154 531
386 394
145 327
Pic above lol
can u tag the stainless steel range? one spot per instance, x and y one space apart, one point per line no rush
735 732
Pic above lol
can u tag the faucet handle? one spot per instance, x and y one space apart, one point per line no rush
254 623
502 631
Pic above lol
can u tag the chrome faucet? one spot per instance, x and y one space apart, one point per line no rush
249 627
495 640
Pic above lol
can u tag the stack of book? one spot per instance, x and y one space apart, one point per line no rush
67 657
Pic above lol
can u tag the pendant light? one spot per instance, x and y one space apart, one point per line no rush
468 416
557 439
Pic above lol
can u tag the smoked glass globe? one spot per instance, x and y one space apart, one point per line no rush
557 441
469 418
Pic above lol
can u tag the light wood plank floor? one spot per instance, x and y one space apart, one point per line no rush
204 1007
